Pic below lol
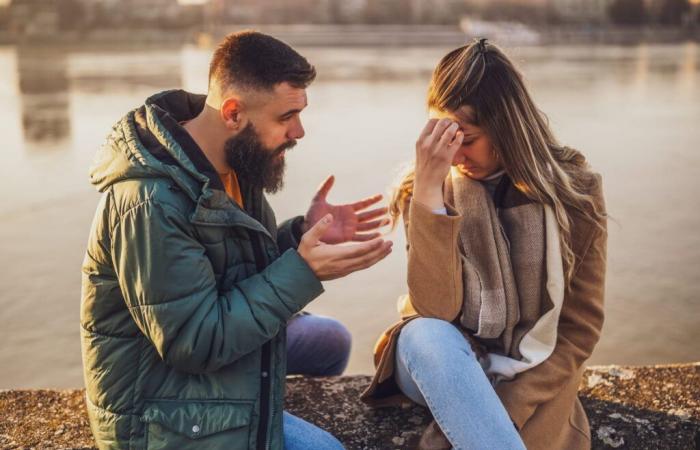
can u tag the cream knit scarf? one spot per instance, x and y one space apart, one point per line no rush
512 292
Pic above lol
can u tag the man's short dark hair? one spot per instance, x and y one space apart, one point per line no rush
249 59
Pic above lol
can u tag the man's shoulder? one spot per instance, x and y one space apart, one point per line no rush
140 192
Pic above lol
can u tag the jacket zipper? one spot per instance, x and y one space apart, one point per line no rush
265 395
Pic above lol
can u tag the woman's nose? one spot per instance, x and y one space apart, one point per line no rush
459 158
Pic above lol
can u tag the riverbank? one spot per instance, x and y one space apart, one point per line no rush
631 407
362 35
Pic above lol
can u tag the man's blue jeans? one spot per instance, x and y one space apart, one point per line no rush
316 346
436 367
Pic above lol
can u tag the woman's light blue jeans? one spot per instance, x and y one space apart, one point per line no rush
302 435
436 367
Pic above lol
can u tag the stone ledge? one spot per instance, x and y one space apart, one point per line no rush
629 407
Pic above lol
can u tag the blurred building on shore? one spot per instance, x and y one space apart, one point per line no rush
48 17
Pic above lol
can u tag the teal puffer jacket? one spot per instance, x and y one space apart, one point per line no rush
185 296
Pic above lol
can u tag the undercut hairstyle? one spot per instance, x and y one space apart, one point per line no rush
253 60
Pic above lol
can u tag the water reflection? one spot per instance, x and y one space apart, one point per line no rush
43 88
48 77
632 110
641 67
688 67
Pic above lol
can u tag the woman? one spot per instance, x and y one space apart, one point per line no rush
506 268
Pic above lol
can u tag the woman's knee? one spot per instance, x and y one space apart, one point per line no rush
429 340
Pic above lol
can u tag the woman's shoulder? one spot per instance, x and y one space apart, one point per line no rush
589 183
592 183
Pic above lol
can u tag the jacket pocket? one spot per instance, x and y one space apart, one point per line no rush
185 425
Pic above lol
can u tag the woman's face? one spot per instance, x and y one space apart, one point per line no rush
476 157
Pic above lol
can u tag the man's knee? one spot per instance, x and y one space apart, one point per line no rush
336 341
318 346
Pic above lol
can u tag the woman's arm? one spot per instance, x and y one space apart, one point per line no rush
434 264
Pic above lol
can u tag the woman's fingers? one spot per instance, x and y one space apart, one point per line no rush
428 129
440 128
456 143
443 134
426 142
447 137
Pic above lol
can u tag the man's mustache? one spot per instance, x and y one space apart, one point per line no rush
286 146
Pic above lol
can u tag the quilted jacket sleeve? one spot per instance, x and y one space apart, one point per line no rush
169 287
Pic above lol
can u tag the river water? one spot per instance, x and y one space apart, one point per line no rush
633 110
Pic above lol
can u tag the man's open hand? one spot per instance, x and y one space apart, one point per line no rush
330 261
350 222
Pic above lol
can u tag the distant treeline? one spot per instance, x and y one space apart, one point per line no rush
43 17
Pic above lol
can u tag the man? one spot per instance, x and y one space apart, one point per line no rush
187 281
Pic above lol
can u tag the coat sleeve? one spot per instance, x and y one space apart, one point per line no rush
169 287
289 233
434 263
578 331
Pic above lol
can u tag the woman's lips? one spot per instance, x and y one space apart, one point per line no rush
465 168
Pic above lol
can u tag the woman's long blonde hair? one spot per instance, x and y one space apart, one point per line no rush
480 79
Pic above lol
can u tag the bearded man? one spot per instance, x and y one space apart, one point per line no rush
188 282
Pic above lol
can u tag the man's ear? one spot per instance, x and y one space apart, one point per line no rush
232 113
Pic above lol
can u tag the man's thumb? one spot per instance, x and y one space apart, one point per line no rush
320 227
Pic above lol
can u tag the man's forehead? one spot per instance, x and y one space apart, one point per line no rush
286 95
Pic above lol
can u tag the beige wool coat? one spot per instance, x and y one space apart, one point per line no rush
542 401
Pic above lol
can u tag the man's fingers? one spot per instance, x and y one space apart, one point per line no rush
343 252
362 237
325 188
369 259
367 226
373 214
314 234
366 202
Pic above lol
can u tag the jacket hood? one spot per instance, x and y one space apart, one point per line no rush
149 142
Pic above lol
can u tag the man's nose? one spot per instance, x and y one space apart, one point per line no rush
296 131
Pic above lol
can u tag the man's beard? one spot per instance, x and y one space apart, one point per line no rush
255 164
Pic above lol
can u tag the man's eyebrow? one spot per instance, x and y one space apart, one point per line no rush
294 111
291 112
